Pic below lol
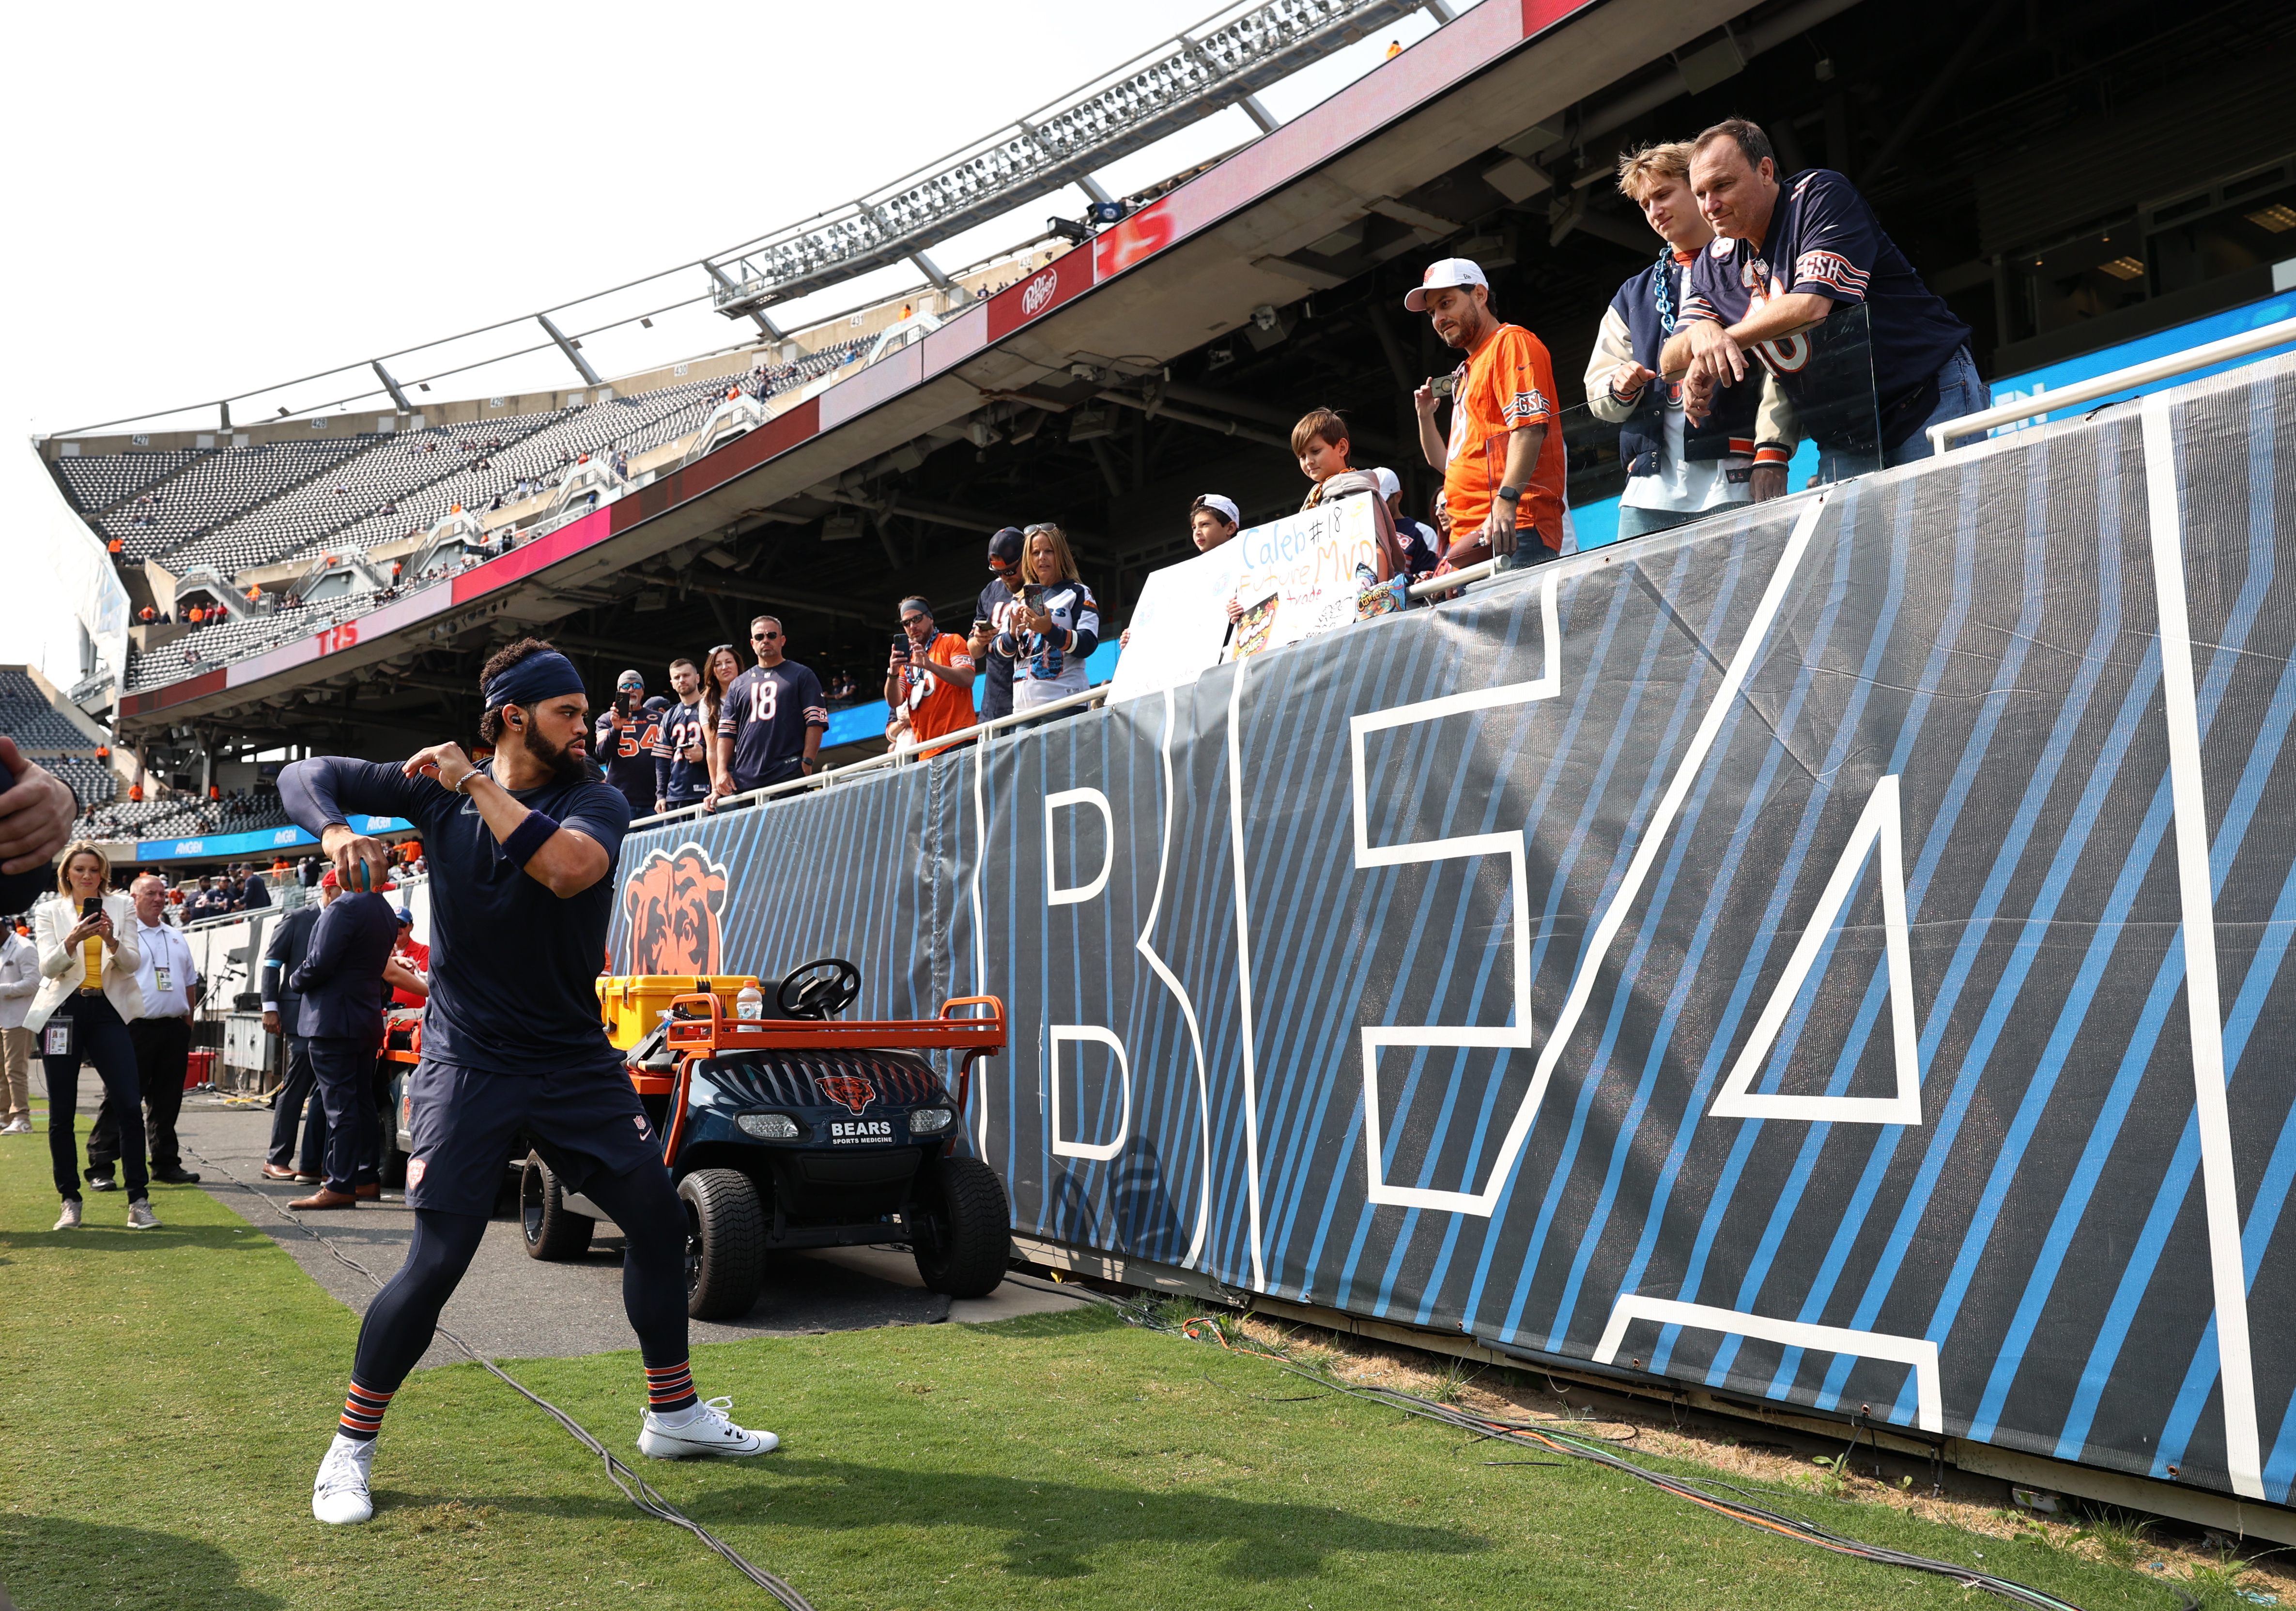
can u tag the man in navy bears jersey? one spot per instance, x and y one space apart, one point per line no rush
770 723
1787 253
522 851
625 739
681 748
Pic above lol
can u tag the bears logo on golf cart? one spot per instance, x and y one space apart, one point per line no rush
760 1123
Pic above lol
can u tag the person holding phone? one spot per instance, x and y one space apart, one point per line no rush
88 961
930 677
1053 628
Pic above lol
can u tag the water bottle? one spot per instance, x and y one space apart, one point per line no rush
750 1002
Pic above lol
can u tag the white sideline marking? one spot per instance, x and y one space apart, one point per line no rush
1509 845
1737 1098
1061 1145
1243 969
1188 1007
1918 1352
1055 895
2204 1005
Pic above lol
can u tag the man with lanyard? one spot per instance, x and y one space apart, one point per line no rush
1501 466
162 1038
933 681
522 852
1678 470
625 746
770 725
1004 569
681 746
1789 252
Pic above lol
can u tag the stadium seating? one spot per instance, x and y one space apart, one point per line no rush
390 469
218 488
95 484
247 507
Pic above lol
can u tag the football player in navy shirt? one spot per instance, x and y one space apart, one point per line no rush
770 726
681 749
522 849
1786 254
625 742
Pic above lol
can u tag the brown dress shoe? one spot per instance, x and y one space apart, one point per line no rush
324 1198
272 1171
367 1193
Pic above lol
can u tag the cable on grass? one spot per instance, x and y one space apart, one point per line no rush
1746 1509
634 1488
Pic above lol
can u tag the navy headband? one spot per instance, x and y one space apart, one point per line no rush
536 677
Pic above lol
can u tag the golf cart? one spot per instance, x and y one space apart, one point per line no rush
790 1129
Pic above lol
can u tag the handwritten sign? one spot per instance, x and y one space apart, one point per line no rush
1293 578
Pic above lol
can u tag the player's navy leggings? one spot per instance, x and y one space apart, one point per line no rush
404 1314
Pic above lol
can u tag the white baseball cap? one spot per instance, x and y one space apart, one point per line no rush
1223 507
1390 483
1444 275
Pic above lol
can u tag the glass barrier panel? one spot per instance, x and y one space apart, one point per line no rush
1815 387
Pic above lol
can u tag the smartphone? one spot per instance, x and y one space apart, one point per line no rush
979 624
1443 386
901 647
1032 595
93 904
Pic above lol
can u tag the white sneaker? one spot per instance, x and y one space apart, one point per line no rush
340 1495
16 1127
704 1429
68 1220
140 1217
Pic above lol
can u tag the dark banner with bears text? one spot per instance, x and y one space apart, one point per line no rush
1829 954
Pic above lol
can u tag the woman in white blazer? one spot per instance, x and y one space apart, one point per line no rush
87 997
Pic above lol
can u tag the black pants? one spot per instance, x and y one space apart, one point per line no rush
345 1068
163 1049
287 1105
98 1037
403 1316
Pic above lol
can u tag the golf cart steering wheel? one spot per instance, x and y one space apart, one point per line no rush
823 996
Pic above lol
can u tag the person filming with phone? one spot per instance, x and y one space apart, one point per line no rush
930 677
88 961
1501 465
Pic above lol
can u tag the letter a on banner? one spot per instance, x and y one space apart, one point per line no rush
1877 829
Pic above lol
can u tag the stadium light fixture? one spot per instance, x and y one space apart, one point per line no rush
1222 62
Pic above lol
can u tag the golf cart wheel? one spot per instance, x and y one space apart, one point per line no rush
724 1244
965 1237
552 1230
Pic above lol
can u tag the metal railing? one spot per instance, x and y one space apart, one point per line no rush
1434 588
1222 61
2277 334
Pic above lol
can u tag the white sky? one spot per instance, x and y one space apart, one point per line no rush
211 202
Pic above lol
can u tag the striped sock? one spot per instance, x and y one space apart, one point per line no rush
670 1388
362 1410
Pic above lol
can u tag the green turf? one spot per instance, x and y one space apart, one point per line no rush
164 1398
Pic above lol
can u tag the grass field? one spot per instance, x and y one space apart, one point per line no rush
164 1399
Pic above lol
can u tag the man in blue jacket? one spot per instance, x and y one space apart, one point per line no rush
282 1015
341 982
522 850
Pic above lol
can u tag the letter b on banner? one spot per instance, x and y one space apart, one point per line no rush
1078 1035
